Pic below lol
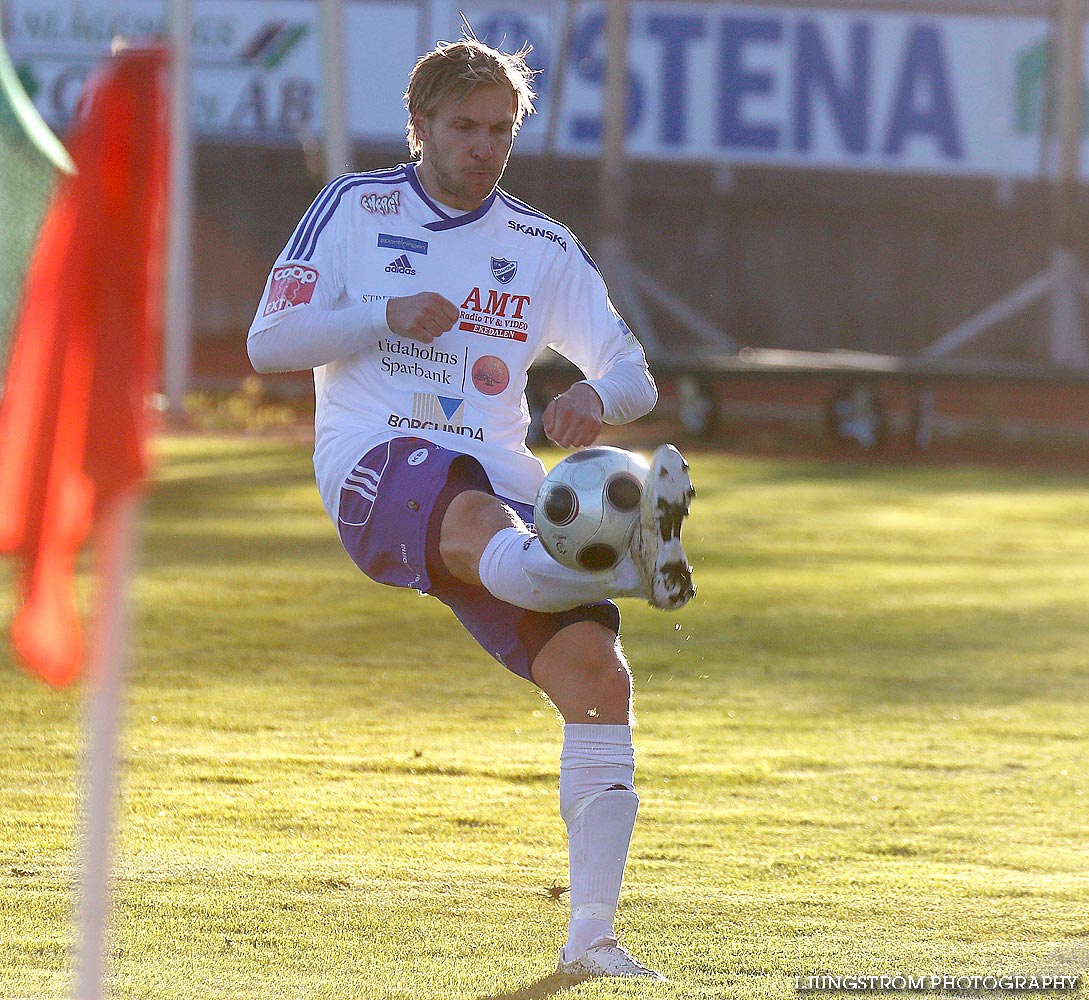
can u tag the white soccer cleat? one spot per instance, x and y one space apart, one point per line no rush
656 546
606 958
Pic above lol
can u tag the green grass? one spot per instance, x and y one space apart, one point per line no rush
862 749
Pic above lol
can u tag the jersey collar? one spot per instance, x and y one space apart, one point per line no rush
445 220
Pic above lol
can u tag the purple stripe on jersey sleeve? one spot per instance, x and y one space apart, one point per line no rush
321 211
304 227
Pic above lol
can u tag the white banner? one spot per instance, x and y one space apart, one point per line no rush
256 63
732 84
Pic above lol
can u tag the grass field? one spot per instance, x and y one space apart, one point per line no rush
862 749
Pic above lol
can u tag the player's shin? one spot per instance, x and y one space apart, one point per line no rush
516 568
598 803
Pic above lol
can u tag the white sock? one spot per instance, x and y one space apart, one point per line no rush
517 568
598 803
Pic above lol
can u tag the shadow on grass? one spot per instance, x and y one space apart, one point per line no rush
549 986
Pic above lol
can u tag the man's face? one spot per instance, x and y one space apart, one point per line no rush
466 144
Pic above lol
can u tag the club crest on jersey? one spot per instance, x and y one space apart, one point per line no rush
382 204
291 285
503 269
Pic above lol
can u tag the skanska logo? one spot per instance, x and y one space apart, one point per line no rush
547 234
402 265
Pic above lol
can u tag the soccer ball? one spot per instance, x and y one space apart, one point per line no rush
588 506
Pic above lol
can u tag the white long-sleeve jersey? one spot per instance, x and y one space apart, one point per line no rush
522 283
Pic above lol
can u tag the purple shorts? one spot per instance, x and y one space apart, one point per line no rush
391 510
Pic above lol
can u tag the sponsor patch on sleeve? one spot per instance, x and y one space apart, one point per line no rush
292 285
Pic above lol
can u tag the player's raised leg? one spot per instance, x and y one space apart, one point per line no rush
483 542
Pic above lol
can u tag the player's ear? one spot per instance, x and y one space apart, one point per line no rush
420 125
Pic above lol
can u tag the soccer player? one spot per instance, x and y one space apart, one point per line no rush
420 295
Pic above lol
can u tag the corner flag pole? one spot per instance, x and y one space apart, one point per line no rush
102 725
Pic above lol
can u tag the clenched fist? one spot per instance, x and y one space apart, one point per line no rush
574 419
423 316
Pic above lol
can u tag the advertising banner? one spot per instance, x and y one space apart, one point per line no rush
724 83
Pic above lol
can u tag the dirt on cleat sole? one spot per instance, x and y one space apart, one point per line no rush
658 552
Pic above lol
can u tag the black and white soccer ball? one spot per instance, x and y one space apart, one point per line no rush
588 506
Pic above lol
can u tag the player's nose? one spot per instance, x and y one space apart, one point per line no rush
483 148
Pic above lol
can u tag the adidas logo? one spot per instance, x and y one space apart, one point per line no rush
402 265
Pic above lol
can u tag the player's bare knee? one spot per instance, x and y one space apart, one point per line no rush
600 659
583 670
614 677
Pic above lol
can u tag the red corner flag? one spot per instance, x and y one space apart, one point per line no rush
73 416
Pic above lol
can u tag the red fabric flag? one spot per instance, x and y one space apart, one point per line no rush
73 416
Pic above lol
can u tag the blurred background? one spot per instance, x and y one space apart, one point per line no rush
862 215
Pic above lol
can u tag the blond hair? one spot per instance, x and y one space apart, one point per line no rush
454 70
